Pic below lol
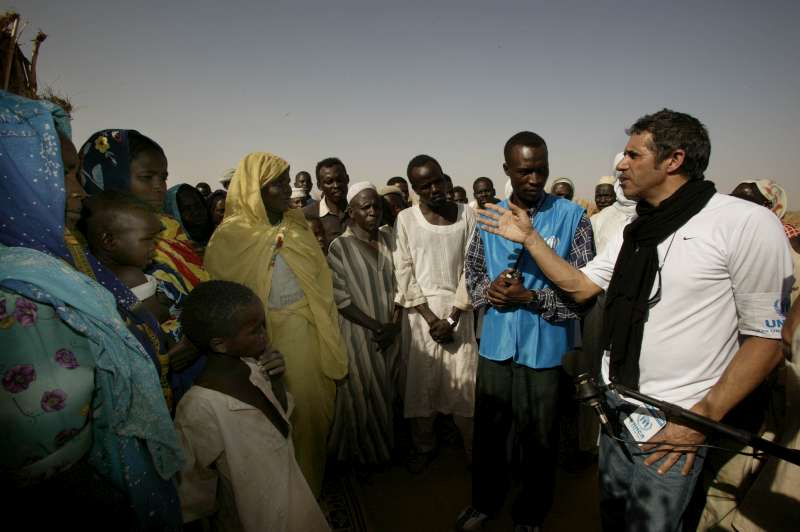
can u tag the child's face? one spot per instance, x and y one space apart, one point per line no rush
251 338
134 238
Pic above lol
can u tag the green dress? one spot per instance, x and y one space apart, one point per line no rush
47 385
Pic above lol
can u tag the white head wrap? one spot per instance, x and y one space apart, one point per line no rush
606 180
623 203
227 175
354 189
298 193
389 189
509 189
617 158
566 180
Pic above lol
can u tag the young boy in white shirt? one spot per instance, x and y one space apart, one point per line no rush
241 472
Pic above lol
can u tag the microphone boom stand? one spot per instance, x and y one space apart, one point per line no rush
743 436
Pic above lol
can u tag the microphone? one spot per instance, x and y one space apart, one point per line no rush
587 391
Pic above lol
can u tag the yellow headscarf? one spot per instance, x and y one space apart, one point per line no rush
243 246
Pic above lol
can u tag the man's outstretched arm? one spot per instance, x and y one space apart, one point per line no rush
515 225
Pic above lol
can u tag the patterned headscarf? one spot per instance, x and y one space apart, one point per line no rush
774 193
61 118
105 165
106 161
32 187
33 191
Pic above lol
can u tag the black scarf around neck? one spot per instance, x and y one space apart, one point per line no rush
627 297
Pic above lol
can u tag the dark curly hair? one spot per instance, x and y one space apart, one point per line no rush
672 131
209 311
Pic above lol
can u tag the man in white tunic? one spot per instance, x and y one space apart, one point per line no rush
432 237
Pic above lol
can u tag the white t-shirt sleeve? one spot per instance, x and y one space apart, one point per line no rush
761 273
600 269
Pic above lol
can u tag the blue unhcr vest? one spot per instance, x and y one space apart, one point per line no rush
519 332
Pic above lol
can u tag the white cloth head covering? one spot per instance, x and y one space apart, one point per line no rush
623 203
227 175
389 189
566 180
508 190
359 187
606 180
774 193
298 193
617 158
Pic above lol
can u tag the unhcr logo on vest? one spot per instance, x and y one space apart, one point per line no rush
551 241
780 306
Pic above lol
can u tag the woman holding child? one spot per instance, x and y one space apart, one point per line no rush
269 248
127 161
80 400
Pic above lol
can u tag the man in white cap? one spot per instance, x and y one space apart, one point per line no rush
393 202
610 222
564 187
604 192
432 238
363 290
298 198
226 177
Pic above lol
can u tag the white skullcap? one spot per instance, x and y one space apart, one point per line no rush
228 175
359 187
606 180
566 180
298 193
390 189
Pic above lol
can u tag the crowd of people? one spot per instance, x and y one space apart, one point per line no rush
177 357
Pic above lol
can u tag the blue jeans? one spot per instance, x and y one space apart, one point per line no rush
633 496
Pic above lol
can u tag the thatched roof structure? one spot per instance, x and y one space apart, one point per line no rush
17 72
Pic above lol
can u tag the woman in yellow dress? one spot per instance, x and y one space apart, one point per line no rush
268 247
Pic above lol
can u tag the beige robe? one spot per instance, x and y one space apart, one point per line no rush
429 266
240 471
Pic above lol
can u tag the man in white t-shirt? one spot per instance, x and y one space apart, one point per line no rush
695 295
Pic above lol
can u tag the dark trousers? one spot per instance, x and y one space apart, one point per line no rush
506 393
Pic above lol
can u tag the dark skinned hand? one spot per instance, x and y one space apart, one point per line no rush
182 355
441 332
506 293
386 335
272 363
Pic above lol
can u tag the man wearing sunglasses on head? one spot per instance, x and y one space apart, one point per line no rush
695 289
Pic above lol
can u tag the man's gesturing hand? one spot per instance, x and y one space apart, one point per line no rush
512 224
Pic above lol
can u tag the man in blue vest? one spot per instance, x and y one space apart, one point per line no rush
695 286
527 328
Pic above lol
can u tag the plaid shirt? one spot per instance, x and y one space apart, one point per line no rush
553 304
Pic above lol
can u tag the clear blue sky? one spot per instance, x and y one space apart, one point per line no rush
375 83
